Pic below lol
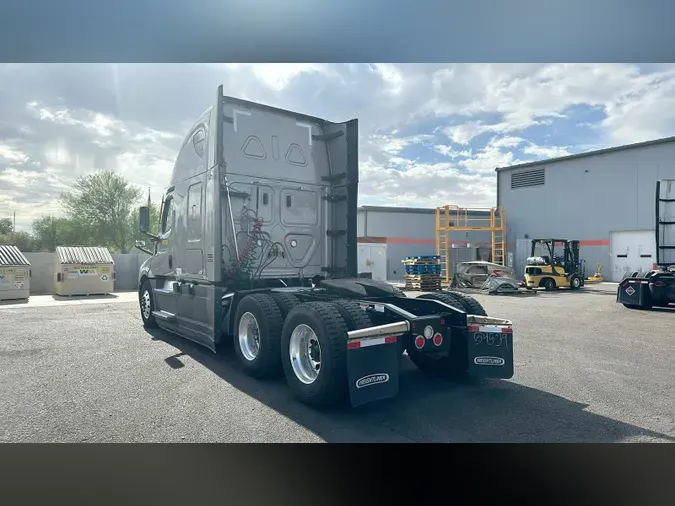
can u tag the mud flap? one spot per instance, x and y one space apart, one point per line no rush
490 351
634 292
372 369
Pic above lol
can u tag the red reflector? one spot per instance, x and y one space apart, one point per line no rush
353 344
474 328
507 330
390 339
412 325
658 283
442 322
624 284
419 342
438 339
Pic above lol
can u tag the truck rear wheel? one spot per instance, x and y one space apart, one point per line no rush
355 317
285 301
446 298
314 353
257 329
472 306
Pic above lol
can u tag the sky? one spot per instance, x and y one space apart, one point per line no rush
430 134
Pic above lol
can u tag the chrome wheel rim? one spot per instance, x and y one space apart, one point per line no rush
305 354
145 304
249 336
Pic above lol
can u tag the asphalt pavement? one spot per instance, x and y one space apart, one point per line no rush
587 370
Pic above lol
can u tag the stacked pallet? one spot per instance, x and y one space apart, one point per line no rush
423 273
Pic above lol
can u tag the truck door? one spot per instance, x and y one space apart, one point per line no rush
163 264
194 291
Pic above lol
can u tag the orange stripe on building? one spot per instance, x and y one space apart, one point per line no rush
595 242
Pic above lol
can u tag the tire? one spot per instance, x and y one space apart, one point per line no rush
548 284
285 301
263 362
145 296
446 298
631 306
329 327
473 306
575 282
355 317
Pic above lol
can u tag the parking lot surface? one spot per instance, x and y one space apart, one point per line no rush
587 370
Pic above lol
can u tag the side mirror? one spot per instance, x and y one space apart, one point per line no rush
141 246
144 219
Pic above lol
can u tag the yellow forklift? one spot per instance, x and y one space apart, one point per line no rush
547 270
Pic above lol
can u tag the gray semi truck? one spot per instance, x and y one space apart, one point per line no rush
257 245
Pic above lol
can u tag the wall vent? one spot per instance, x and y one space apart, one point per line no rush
536 177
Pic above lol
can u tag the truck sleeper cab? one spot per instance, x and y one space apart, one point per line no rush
257 244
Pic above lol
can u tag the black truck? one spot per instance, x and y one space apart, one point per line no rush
656 288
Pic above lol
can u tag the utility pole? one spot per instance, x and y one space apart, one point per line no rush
14 226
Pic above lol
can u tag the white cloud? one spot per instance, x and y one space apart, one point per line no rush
12 155
451 152
544 152
277 76
392 76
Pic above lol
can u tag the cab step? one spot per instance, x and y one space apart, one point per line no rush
164 316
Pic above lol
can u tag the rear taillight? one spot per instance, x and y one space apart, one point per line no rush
419 342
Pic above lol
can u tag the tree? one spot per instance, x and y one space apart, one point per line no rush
101 204
6 226
22 240
50 232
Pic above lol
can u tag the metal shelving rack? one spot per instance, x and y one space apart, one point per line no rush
457 219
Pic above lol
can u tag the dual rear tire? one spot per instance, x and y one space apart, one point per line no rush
275 334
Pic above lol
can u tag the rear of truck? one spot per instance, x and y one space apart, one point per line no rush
289 188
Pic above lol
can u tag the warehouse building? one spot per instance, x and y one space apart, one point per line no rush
387 235
605 199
